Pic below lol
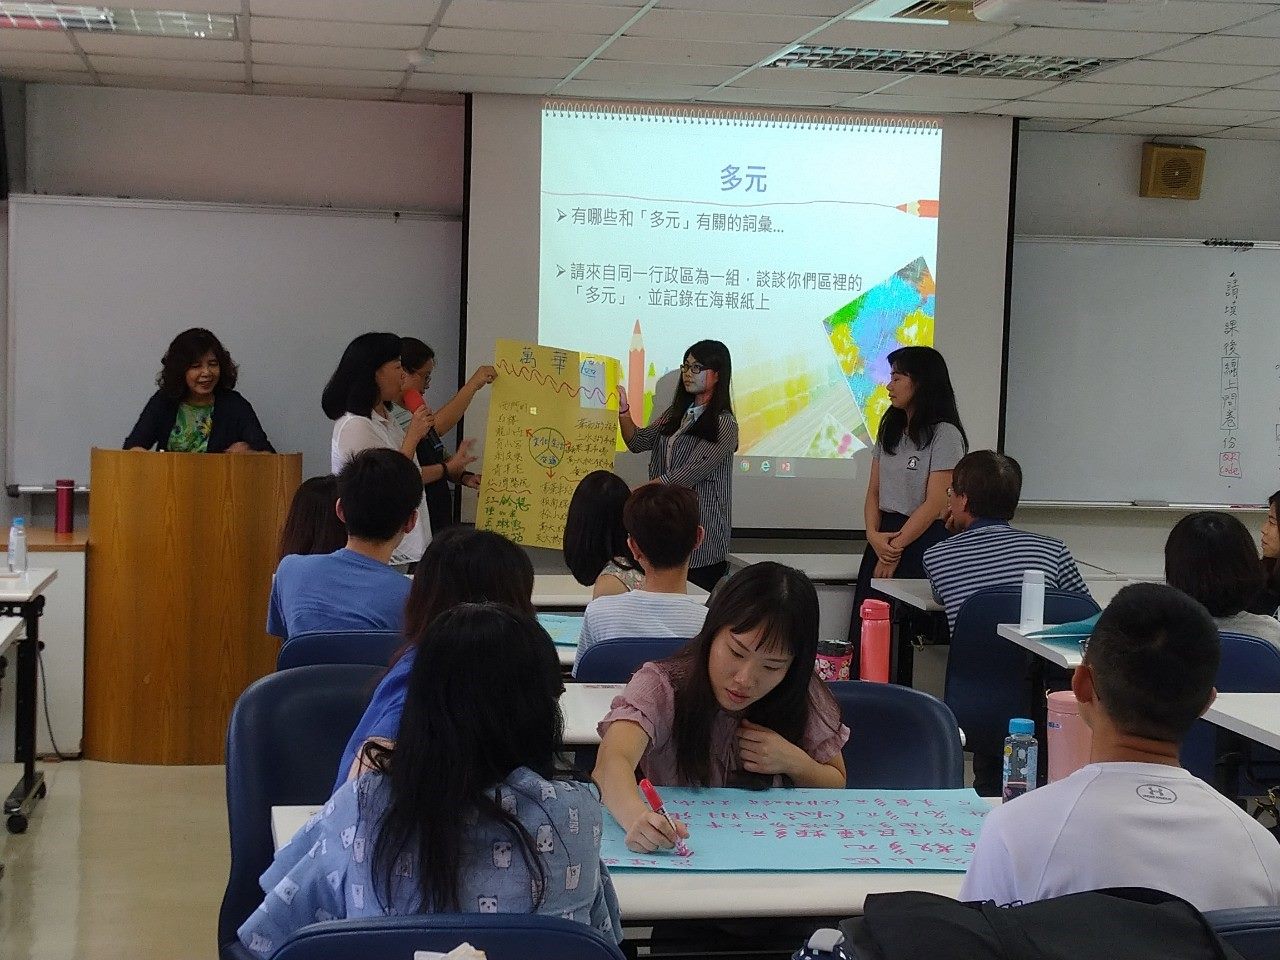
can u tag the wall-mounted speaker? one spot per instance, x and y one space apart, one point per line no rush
1171 171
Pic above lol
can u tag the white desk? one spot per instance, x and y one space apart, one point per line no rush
1252 715
584 706
10 630
818 567
651 895
914 593
560 590
1061 654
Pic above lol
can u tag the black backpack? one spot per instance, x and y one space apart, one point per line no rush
1127 923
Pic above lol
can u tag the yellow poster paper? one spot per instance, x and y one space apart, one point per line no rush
553 418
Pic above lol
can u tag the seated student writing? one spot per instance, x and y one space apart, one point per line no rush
986 551
662 533
462 565
740 705
353 588
1133 817
1211 557
595 539
467 813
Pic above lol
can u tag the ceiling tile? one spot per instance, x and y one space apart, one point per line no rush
1268 26
36 75
270 73
1273 122
186 84
486 66
193 69
887 103
1040 125
625 91
1179 74
327 92
54 41
370 11
1062 111
1236 99
634 71
441 97
1226 118
1188 16
1260 51
742 27
39 60
1147 129
1082 43
516 42
806 8
330 32
164 48
1271 82
848 81
908 36
307 55
654 50
538 17
189 6
1138 95
788 98
1250 133
998 89
445 82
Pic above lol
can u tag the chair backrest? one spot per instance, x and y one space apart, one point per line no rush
899 738
501 937
616 659
373 647
1248 665
1254 932
986 683
284 744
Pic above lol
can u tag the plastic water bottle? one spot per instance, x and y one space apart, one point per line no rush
1032 601
18 546
1021 756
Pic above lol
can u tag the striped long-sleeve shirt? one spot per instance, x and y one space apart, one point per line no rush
705 467
993 554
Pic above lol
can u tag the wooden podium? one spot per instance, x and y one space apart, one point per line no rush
182 548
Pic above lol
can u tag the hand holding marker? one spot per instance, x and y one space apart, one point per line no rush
655 801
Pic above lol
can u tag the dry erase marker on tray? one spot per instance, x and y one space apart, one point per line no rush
655 801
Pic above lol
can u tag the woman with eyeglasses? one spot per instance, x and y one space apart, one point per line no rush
692 444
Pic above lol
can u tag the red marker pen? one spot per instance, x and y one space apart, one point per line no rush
655 801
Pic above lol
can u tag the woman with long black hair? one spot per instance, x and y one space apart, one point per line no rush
920 441
467 812
693 442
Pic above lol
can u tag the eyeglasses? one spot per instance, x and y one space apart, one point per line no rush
695 368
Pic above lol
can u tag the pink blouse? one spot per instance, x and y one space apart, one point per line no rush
650 701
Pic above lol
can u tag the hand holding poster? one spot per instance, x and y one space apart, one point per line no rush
553 419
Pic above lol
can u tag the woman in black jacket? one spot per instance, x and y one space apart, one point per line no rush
196 409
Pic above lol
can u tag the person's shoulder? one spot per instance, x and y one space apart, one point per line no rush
1040 811
233 399
947 431
653 676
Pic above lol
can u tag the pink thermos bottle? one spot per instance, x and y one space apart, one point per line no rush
874 661
64 509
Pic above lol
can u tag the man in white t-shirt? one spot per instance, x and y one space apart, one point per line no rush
663 530
1133 817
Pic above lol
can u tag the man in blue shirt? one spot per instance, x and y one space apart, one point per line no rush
379 491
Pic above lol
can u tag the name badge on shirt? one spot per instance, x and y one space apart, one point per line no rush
913 463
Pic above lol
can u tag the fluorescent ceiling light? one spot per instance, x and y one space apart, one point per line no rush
119 20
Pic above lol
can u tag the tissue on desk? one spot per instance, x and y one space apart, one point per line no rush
463 951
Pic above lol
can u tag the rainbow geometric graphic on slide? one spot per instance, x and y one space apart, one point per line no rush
898 312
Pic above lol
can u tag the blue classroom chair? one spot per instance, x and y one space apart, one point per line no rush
373 647
899 738
987 675
1248 665
615 660
284 743
1254 932
502 936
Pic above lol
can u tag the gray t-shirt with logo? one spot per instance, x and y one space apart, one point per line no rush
904 475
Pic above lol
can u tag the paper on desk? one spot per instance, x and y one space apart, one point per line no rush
1064 631
563 627
755 831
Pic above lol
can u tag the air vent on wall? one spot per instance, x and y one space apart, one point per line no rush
946 63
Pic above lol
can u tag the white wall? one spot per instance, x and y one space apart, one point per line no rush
1087 185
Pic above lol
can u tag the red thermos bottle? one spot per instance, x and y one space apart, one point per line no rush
64 509
874 662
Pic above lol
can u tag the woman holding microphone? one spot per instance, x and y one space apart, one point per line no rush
692 444
920 440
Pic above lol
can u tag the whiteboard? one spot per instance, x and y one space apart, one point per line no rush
98 288
1144 370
